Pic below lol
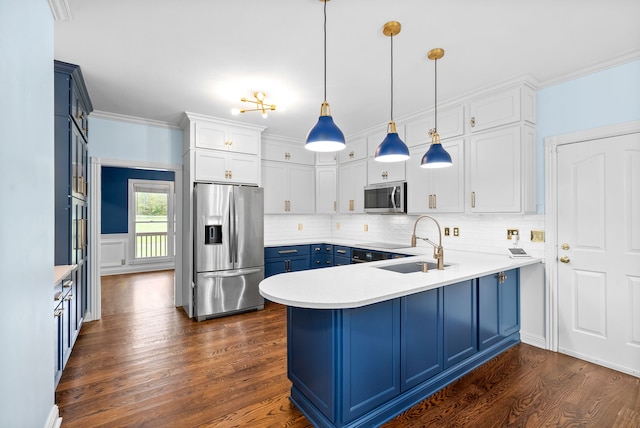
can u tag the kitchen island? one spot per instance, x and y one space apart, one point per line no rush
365 343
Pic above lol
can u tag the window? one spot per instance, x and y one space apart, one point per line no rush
151 220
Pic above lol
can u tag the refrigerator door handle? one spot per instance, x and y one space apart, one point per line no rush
230 273
234 222
233 238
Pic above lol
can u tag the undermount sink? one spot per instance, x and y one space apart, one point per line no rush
410 267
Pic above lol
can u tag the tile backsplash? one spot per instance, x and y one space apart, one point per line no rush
478 232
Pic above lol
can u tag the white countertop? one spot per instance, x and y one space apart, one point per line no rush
362 284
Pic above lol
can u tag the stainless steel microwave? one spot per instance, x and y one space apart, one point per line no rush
386 198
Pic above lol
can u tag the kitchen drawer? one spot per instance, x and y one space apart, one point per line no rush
321 260
322 249
341 251
286 251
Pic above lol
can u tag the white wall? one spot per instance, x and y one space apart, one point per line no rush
27 215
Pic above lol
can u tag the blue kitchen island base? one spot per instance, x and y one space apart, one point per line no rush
362 366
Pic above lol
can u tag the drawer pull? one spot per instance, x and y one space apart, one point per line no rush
341 251
67 284
287 251
57 296
58 312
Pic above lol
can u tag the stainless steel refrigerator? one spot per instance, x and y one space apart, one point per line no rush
228 249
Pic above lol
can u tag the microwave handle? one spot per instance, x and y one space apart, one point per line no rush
393 197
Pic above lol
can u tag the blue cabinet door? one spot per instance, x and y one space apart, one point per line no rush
460 322
285 259
421 337
488 312
510 303
370 357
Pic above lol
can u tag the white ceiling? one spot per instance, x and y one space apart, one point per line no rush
155 59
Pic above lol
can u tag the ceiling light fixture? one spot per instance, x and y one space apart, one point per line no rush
259 102
392 148
436 156
325 136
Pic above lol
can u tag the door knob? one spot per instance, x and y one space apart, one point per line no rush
565 246
565 259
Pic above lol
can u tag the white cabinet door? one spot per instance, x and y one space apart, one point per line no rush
326 199
220 167
384 172
301 181
351 181
216 136
326 158
495 171
356 150
495 110
274 179
436 190
450 124
288 188
280 152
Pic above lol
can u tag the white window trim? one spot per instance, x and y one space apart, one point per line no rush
157 186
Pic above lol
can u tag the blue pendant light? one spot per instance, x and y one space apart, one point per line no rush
325 136
436 156
392 148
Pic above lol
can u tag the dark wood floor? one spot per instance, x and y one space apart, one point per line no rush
145 364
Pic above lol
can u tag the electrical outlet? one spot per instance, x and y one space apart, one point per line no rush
446 231
456 231
366 227
511 232
537 236
299 226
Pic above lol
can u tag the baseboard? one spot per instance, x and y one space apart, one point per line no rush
136 268
627 370
533 340
54 420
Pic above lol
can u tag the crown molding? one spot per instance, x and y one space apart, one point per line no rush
132 119
60 10
629 56
189 116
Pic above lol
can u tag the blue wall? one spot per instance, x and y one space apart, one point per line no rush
113 139
27 218
604 98
115 195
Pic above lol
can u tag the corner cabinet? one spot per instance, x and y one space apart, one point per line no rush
72 106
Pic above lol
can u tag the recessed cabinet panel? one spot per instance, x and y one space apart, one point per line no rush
439 189
301 184
288 188
450 124
276 151
210 136
352 178
356 149
495 171
460 322
220 167
274 177
326 190
326 158
243 140
214 136
494 110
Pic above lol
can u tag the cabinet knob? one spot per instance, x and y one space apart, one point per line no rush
472 121
351 154
473 199
501 277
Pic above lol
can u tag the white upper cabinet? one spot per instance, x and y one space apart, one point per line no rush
352 178
356 150
216 136
218 167
383 172
288 188
502 108
291 152
327 158
439 190
450 125
501 171
326 190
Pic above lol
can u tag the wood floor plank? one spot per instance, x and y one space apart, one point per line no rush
145 364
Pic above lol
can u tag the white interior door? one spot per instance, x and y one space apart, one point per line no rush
598 237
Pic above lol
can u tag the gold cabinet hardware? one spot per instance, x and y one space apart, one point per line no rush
351 204
385 174
58 313
565 259
501 277
473 199
472 122
67 284
57 296
431 131
351 154
68 297
80 115
565 246
285 205
287 156
230 174
335 206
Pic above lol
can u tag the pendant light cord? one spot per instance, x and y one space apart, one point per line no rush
391 76
325 50
435 96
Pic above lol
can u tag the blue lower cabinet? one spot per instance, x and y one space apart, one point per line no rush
498 307
286 259
321 260
370 357
341 255
510 303
421 337
460 322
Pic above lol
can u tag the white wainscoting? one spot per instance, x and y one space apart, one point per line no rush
115 257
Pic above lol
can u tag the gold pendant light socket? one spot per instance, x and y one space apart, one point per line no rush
436 53
391 28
